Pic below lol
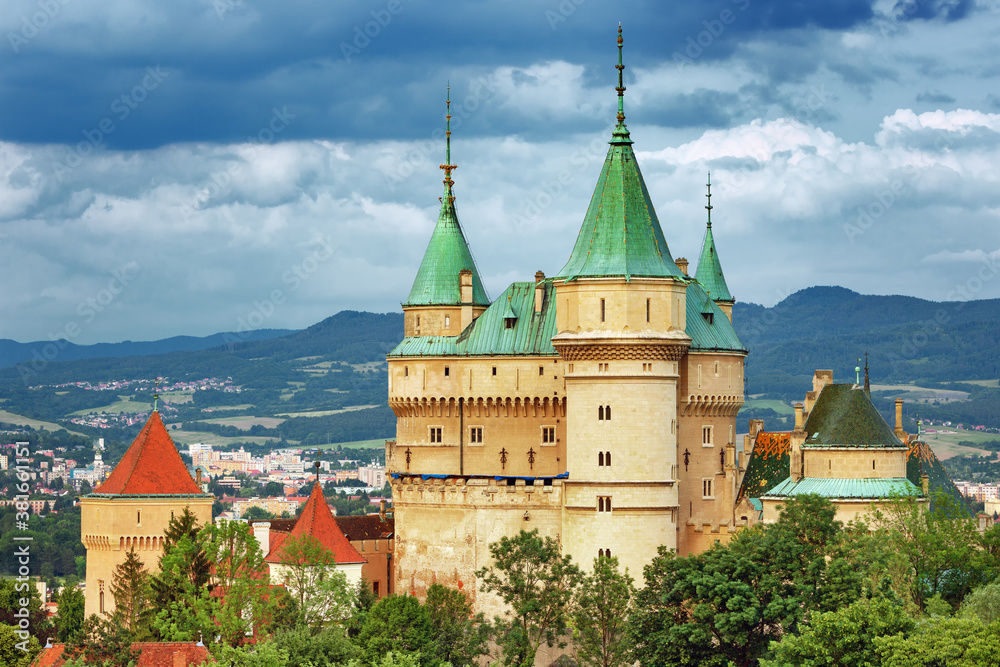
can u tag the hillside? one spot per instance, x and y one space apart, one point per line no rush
12 352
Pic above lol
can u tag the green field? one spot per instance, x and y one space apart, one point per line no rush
915 394
115 408
11 418
325 413
378 443
983 383
945 444
177 396
221 408
244 423
181 437
781 407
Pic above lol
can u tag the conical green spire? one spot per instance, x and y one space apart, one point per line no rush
437 282
620 235
709 272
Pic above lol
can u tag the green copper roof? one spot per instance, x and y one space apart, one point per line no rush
620 235
715 332
709 272
845 488
844 416
438 282
531 334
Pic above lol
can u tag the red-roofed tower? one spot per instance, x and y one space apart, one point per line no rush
317 521
132 508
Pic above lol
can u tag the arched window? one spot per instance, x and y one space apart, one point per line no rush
600 458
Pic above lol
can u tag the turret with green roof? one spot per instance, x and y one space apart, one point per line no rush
620 235
437 282
709 272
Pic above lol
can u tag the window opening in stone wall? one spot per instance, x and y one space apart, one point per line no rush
418 321
476 434
603 503
548 434
647 310
436 434
447 371
600 459
447 320
706 488
706 436
494 370
541 370
406 371
602 310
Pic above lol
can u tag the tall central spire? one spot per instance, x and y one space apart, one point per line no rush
448 166
708 207
620 235
620 135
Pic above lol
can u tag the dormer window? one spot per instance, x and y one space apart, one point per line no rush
508 322
709 317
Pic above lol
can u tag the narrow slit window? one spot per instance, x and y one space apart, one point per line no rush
602 310
647 310
447 371
494 370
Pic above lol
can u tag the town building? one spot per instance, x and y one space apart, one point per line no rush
595 403
372 535
130 511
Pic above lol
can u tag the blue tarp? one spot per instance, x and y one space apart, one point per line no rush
397 475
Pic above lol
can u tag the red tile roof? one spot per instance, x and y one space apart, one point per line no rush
151 654
317 520
367 527
151 465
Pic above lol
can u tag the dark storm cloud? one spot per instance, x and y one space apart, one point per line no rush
347 71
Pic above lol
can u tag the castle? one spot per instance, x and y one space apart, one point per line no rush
597 405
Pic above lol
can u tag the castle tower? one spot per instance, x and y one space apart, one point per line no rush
709 272
621 307
712 383
447 293
132 508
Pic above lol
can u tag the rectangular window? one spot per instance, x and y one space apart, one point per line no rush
435 434
494 370
447 371
475 435
375 588
647 310
603 503
406 371
548 435
602 310
541 370
447 320
706 436
706 488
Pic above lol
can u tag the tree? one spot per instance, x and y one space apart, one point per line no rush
603 605
845 638
310 574
955 642
185 607
329 646
460 635
398 623
15 650
12 592
983 603
103 642
130 588
261 654
364 600
69 619
241 575
723 605
537 582
257 514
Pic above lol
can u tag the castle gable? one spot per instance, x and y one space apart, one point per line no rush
151 466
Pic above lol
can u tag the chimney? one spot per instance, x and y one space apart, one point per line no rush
465 293
539 290
262 533
900 433
799 421
925 484
381 510
682 264
465 285
795 440
197 477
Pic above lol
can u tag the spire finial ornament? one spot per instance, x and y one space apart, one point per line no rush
868 386
156 395
621 86
448 166
708 207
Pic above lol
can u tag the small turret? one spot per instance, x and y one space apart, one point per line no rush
709 272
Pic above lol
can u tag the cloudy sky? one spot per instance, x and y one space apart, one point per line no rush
191 166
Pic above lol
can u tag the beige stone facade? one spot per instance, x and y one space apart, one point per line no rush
112 526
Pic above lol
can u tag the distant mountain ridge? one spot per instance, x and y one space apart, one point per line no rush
907 339
12 352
